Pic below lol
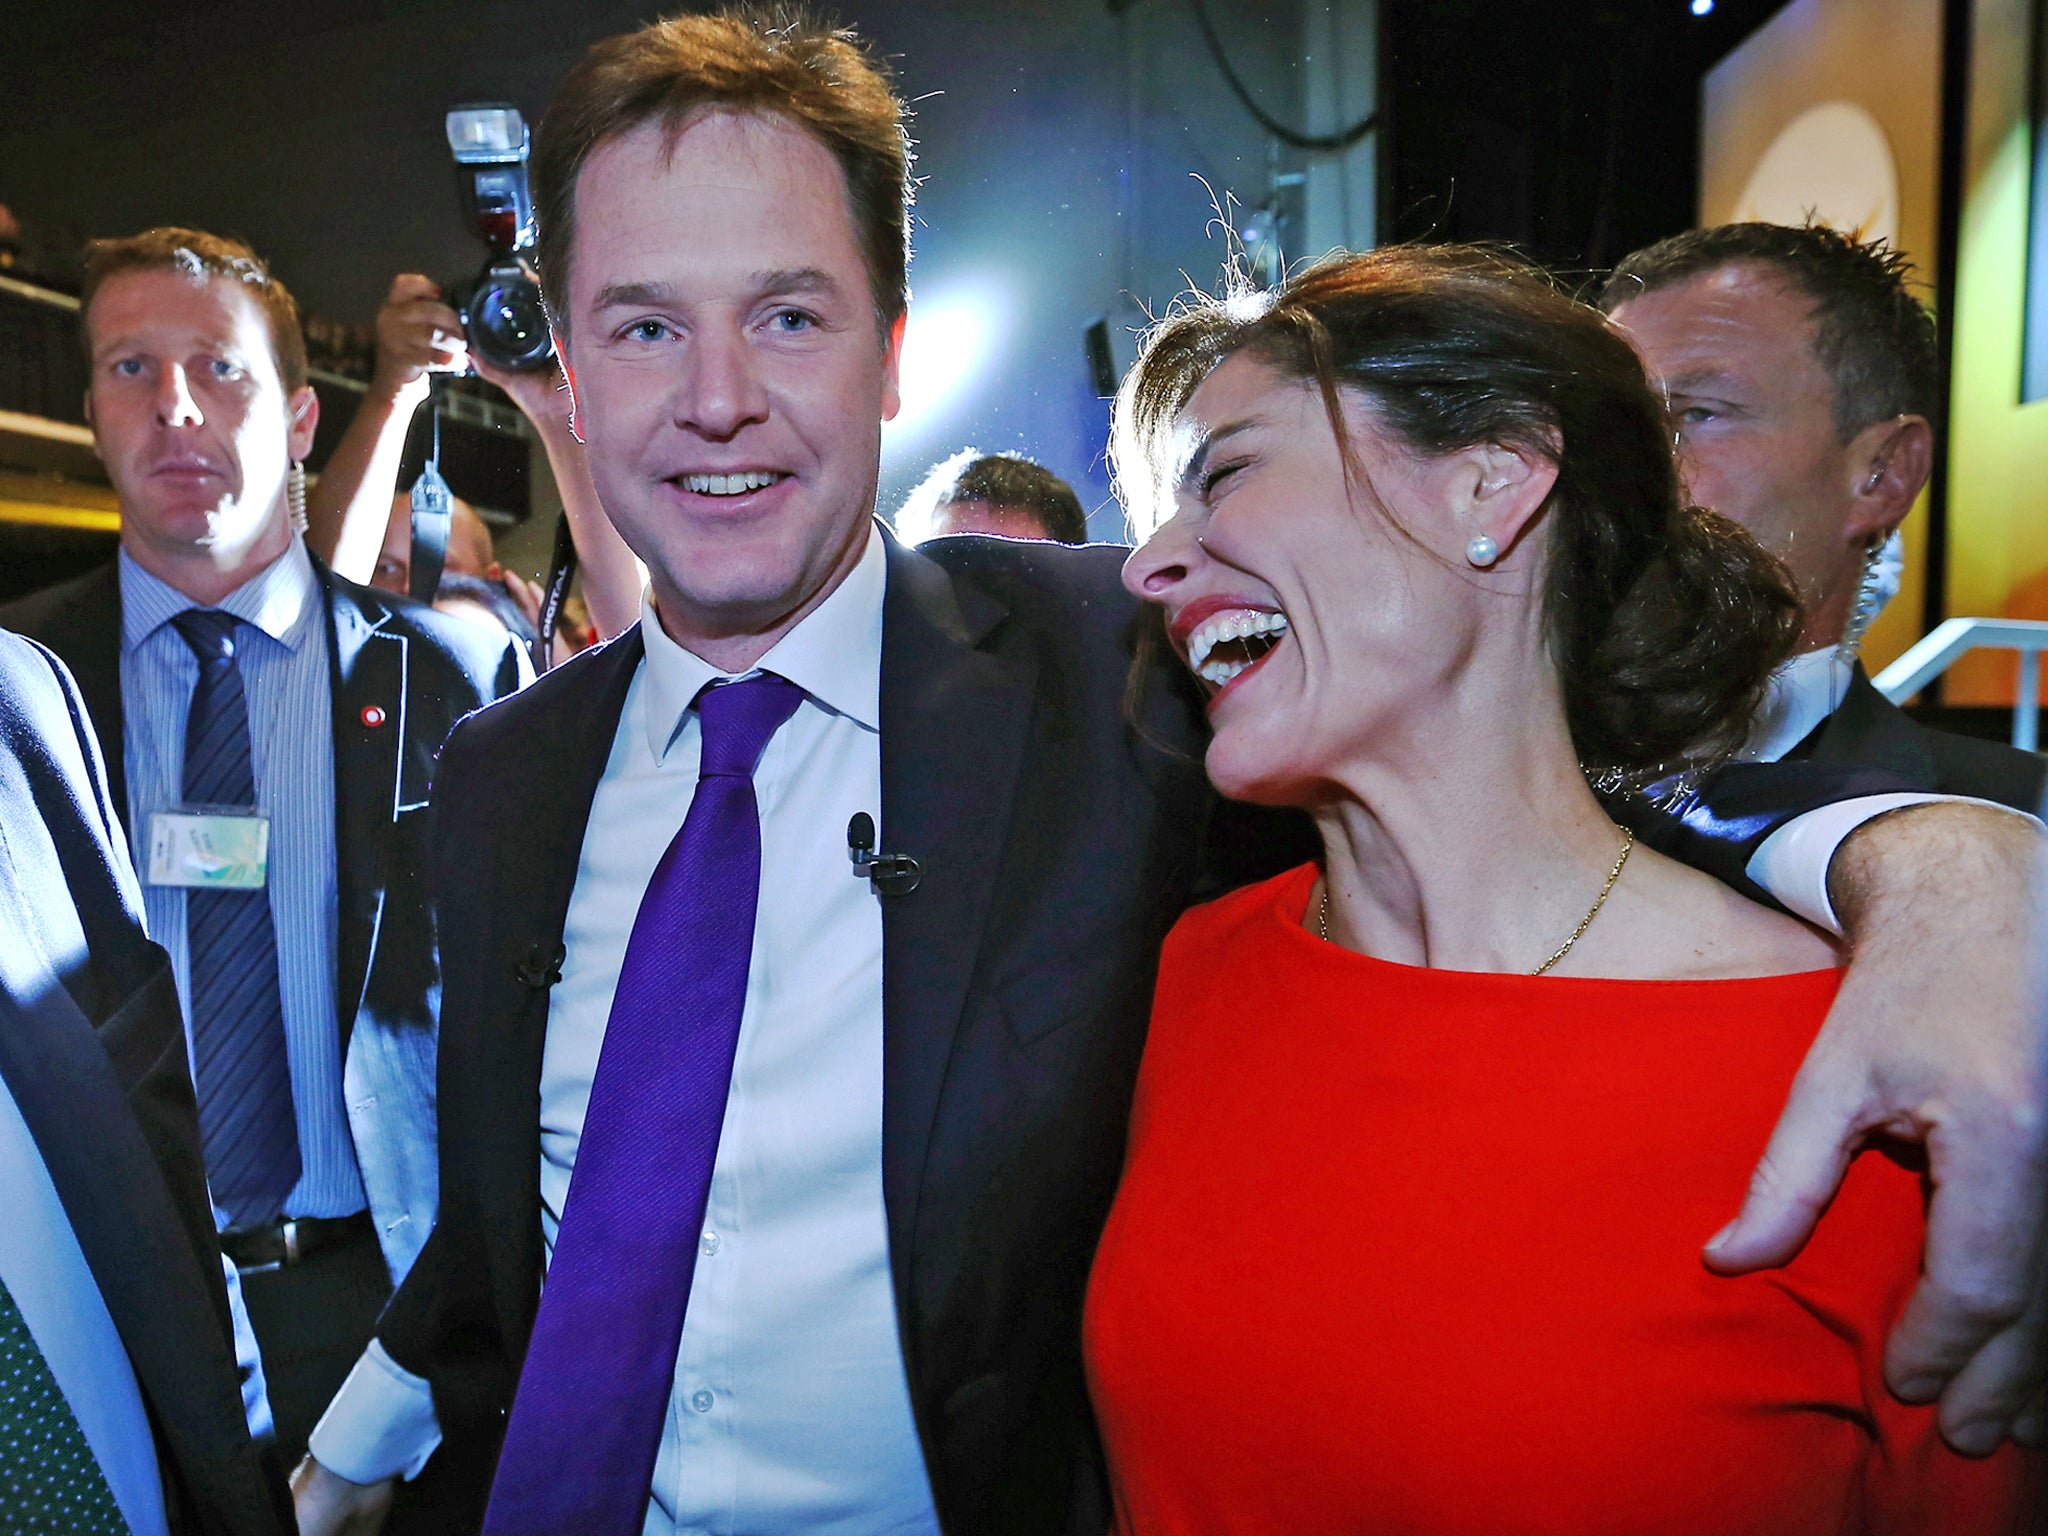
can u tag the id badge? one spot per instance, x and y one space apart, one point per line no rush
213 848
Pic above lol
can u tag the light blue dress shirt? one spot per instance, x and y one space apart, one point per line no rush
46 1273
286 675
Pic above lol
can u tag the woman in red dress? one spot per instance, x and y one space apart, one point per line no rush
1425 1134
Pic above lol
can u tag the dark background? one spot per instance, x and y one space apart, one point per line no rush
1071 152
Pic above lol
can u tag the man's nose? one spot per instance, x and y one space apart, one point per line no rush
175 406
722 389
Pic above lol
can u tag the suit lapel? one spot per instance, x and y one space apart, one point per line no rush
1870 731
86 632
550 784
955 721
367 684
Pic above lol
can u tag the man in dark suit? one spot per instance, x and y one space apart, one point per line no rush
829 1113
260 713
1802 375
121 1403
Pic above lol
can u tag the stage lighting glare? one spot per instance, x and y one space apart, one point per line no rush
950 339
1703 7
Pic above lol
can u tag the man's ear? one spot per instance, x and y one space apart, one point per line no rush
892 368
1507 488
304 406
1890 461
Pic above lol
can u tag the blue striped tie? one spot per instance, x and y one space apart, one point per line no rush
239 1062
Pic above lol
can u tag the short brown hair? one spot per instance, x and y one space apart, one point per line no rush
200 256
1002 480
745 58
1664 620
1872 336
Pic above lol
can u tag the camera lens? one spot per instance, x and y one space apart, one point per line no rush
505 321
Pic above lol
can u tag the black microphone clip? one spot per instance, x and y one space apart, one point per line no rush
888 874
542 967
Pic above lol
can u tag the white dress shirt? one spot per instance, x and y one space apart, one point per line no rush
1802 694
790 1409
288 683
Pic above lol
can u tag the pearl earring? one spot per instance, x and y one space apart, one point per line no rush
1482 551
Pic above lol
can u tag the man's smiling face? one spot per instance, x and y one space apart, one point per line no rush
731 375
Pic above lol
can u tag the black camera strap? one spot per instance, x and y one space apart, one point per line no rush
433 512
561 572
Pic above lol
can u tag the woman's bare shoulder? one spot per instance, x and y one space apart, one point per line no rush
1679 924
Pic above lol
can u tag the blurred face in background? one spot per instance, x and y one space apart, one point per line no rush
730 372
192 420
970 516
470 551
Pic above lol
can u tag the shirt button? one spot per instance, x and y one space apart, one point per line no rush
709 1243
701 1400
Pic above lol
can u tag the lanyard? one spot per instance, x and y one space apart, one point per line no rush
433 509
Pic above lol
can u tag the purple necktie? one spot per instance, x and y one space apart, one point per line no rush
594 1391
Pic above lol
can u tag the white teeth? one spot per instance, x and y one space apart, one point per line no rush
729 485
1241 624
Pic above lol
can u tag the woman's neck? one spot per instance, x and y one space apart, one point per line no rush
1468 840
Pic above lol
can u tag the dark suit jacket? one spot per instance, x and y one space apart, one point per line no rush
1868 746
415 673
1870 731
92 1047
1056 800
1058 840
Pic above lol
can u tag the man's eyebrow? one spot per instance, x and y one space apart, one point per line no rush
795 280
661 295
1692 381
122 341
635 295
1191 476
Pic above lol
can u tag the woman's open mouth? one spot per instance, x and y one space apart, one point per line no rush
1226 645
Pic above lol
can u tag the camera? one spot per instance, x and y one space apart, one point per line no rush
501 307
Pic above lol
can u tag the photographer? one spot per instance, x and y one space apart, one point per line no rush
470 558
417 335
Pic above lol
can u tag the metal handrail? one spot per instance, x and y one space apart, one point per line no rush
1937 650
35 293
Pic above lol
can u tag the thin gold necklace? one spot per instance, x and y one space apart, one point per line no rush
1628 843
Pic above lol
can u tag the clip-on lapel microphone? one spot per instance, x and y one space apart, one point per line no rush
888 874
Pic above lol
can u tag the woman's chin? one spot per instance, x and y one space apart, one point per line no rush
1247 771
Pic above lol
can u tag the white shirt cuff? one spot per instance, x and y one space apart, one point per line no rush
1792 863
380 1425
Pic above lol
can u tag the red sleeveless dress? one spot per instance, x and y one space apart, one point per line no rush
1410 1251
